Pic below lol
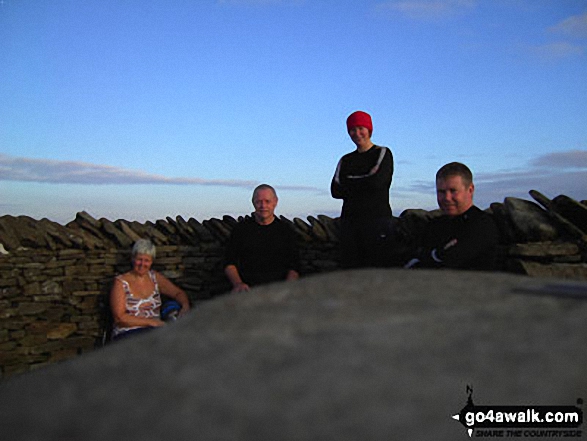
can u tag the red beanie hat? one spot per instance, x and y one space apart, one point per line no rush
359 118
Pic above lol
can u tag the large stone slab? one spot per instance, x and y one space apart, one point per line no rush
372 354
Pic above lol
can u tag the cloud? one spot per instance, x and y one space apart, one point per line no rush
73 172
568 159
427 9
495 187
575 26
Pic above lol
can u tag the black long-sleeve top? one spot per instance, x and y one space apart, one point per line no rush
466 241
262 253
362 181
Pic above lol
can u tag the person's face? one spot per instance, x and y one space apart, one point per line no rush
142 263
264 202
453 196
360 136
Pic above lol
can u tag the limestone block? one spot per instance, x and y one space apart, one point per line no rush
61 355
56 313
56 298
46 348
57 232
8 281
27 232
76 270
51 287
85 293
126 229
565 225
229 221
63 330
186 231
72 285
218 229
116 234
318 231
156 236
88 326
544 249
71 254
4 335
8 235
13 369
202 232
32 308
84 216
554 270
31 289
79 342
167 229
8 358
303 230
531 222
171 260
331 226
32 340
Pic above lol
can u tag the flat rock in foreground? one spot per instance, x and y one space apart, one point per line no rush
354 355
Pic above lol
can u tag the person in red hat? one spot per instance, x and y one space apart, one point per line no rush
362 180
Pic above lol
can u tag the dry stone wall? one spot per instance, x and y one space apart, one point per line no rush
55 279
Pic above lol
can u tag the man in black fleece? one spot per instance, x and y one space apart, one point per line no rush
261 249
464 237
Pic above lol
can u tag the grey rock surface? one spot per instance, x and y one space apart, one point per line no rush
532 223
358 355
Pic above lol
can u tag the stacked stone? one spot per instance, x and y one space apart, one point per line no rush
53 303
48 305
547 241
546 238
55 280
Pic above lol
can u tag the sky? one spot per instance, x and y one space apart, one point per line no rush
144 109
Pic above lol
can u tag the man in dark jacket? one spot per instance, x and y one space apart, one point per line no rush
464 237
261 249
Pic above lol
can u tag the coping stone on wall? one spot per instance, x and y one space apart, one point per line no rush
372 354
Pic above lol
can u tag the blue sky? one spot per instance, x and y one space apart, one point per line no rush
142 109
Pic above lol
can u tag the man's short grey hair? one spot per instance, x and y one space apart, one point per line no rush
144 246
263 187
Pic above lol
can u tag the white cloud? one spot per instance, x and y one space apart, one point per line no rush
427 9
575 26
73 172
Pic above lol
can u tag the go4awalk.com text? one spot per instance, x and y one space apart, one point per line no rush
521 421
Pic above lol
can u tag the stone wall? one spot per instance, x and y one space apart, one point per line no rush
55 279
53 297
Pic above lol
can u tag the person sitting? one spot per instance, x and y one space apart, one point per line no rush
262 248
135 298
463 237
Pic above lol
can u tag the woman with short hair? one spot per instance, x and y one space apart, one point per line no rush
362 180
135 299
